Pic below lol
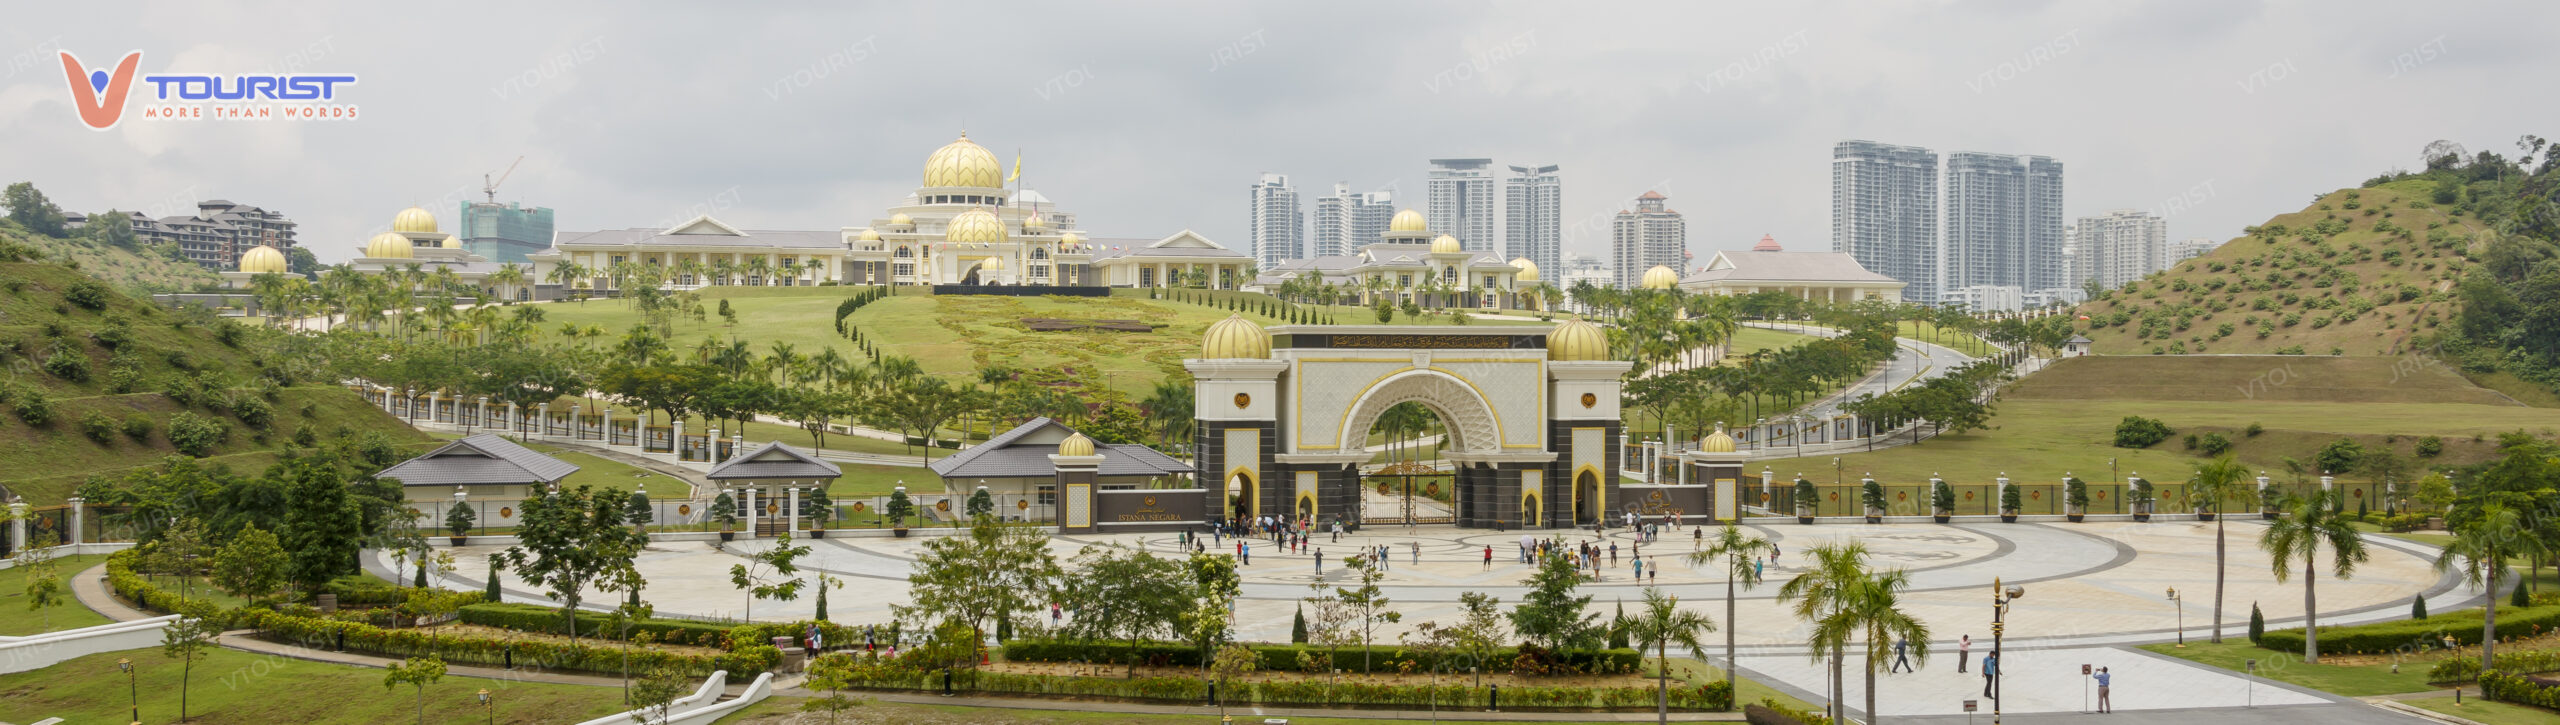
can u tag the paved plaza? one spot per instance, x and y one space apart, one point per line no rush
2090 588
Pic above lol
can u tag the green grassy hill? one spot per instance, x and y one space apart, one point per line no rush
2063 419
2356 272
142 271
87 361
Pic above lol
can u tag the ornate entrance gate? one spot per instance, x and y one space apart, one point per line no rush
1529 414
1415 493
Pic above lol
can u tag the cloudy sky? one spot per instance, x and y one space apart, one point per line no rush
1149 118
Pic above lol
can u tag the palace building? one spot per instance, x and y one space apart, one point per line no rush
1833 277
1409 263
959 227
415 240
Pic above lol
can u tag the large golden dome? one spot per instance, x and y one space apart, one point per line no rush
1575 340
1406 221
963 163
262 259
1717 442
1446 244
993 264
414 220
870 235
1661 277
1235 338
976 226
1076 445
389 245
1033 222
1528 270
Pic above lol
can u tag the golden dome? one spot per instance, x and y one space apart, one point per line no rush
974 226
389 245
1575 340
451 242
1235 338
1528 270
1070 238
1406 221
1446 244
963 163
262 259
1033 222
414 220
1661 277
1717 442
993 264
1076 445
901 219
870 235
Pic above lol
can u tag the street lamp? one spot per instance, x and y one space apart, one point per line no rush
132 693
489 704
2182 616
2001 597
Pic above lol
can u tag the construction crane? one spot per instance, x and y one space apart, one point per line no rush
491 187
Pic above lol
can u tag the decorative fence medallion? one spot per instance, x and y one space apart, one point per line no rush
1589 400
1431 489
1243 400
506 512
686 509
859 507
942 505
1021 504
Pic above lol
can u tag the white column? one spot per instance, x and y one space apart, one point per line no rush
78 516
791 504
17 527
2002 494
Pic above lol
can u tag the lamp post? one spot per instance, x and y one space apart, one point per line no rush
489 704
2182 616
2001 597
132 693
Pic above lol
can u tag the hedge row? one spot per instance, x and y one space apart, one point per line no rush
134 588
538 618
463 649
2382 637
1710 697
2505 687
1284 657
2459 668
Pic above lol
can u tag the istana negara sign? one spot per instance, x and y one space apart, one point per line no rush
1134 510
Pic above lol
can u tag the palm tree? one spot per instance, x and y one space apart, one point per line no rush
1662 623
2481 547
1738 550
2300 533
1169 408
1823 591
2213 484
1871 608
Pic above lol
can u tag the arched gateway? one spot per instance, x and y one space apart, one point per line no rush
1530 413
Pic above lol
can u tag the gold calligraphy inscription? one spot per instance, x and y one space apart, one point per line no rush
1432 342
1148 512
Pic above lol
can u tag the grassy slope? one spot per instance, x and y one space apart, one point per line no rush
230 686
2430 267
43 464
2063 419
134 271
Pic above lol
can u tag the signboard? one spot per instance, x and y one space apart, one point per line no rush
1079 506
1968 706
1728 505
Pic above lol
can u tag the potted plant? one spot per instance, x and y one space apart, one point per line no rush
899 509
1942 500
2009 504
818 510
2204 507
2270 503
725 510
2075 498
459 520
1871 497
1806 505
2139 496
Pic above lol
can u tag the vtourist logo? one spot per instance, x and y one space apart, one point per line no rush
101 96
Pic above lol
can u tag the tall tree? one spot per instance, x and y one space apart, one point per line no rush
1737 552
1366 600
323 526
1821 592
2480 548
993 571
1871 609
29 208
1126 594
1661 623
2310 522
572 540
2215 483
1549 614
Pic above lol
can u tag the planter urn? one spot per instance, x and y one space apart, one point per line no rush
458 540
900 532
1942 517
728 535
2008 517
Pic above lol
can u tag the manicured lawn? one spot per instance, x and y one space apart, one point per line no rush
2484 711
782 710
1746 690
606 473
230 686
2353 681
16 619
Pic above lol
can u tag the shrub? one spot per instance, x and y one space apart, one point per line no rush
2257 625
2214 444
542 619
2254 429
98 427
2430 447
88 294
2139 432
2418 607
2463 626
68 363
196 435
32 406
138 427
2340 456
253 411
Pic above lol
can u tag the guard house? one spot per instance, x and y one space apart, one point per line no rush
1708 490
768 481
2077 346
1045 471
483 466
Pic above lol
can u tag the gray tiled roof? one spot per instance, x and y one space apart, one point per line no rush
1001 457
754 238
774 460
480 459
1790 267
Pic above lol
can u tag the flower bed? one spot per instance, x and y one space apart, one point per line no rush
1284 657
2459 668
2505 687
463 649
1304 692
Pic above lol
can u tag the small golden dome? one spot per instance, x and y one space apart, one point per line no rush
414 220
389 245
1528 270
1406 221
1076 445
1661 277
1070 238
870 235
262 259
451 242
1717 442
1446 244
1033 222
977 226
1235 338
1576 340
901 219
963 163
993 264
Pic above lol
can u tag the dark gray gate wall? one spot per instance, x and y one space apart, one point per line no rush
1151 509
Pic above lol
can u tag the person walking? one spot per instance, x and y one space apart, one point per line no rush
1756 567
1244 552
1990 673
1488 556
1697 537
1319 561
1639 565
1417 552
1964 651
2105 678
1901 657
1613 553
